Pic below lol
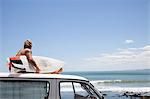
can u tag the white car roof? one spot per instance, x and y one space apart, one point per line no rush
34 75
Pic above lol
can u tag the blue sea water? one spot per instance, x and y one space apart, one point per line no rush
108 81
130 78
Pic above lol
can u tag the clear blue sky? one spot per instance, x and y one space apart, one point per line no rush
73 30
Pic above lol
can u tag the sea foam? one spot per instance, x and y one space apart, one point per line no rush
100 85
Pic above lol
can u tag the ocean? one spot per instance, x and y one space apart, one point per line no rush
135 78
108 82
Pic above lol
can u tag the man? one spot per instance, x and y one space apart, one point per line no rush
28 53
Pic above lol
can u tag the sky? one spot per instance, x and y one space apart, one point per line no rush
88 35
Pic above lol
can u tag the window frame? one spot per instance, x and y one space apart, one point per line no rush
75 81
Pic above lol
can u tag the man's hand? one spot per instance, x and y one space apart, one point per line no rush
37 70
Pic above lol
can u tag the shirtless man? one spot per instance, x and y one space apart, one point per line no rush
28 53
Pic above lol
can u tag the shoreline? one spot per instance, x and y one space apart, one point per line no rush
123 89
125 95
125 92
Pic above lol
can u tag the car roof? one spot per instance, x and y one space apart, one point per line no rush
46 76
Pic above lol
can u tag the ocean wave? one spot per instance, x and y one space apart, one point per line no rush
119 81
125 89
110 85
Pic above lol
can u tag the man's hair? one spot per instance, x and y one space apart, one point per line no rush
28 44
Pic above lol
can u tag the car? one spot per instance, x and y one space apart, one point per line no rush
46 86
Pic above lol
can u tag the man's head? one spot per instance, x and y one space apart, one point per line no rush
28 44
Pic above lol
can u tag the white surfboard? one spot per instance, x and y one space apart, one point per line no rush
45 64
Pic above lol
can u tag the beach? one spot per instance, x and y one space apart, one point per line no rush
126 93
133 84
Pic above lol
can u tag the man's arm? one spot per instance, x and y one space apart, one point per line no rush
31 60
